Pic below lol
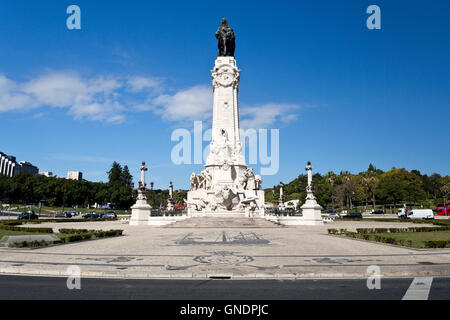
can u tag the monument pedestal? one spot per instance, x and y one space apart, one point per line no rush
311 211
140 213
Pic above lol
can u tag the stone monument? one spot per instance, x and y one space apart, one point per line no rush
141 210
281 206
226 185
170 203
311 210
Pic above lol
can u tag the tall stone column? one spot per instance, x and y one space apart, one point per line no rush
2 162
141 211
281 200
226 185
13 168
8 168
311 210
170 203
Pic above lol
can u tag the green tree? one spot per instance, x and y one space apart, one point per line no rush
398 185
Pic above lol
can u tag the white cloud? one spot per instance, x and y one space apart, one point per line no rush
196 104
267 115
12 97
99 98
186 105
57 89
109 98
139 83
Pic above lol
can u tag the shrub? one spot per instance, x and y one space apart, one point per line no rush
74 231
73 238
87 236
25 229
388 240
436 243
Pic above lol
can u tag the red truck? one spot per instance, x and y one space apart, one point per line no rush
442 209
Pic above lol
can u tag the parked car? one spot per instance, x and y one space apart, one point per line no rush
110 215
92 215
353 215
63 215
334 216
378 212
368 212
29 215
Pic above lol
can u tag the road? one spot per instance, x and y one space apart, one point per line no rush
54 288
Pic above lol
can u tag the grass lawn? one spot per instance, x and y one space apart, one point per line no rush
418 238
16 233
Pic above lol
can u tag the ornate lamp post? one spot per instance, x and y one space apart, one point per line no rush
281 199
311 210
170 203
141 211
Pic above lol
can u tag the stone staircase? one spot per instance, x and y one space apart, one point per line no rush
224 222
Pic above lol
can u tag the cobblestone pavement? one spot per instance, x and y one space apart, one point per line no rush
259 251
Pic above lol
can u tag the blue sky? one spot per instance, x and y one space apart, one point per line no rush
342 96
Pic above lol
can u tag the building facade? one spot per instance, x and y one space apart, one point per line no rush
74 175
10 167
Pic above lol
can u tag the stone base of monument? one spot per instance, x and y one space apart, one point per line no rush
163 221
193 213
140 213
311 216
311 212
290 221
294 220
251 203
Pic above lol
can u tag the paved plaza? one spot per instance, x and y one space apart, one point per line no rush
223 247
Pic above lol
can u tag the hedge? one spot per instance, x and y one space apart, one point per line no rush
437 243
398 230
84 234
372 234
74 231
25 229
70 235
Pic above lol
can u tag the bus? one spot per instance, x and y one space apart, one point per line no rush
442 209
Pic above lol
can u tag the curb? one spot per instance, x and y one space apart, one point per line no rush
214 276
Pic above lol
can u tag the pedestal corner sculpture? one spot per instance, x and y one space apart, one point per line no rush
141 210
311 210
226 185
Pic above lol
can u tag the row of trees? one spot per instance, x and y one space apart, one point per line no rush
27 189
157 198
369 188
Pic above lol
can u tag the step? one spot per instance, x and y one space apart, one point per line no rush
224 222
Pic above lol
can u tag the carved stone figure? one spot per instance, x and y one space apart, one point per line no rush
250 179
226 199
226 40
208 180
194 181
243 179
258 182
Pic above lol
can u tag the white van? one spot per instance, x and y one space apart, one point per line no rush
420 214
